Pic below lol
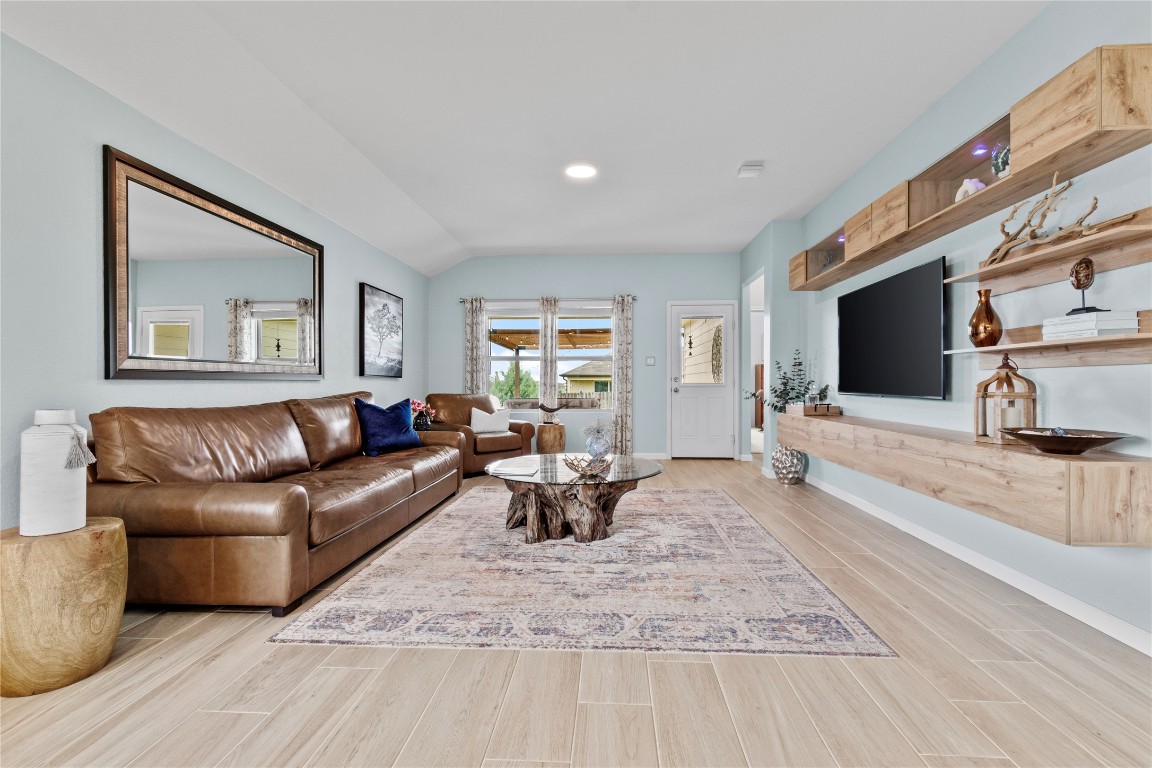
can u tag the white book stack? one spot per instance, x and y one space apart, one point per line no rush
1090 324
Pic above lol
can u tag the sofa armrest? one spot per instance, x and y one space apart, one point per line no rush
450 439
526 429
202 509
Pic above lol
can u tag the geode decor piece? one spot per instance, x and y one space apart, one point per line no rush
788 464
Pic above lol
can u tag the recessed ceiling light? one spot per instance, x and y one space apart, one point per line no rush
580 170
750 169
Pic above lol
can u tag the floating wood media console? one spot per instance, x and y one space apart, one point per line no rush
1096 499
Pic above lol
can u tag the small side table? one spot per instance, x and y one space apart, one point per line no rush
62 603
550 438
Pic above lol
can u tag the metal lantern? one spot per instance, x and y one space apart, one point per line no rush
1007 399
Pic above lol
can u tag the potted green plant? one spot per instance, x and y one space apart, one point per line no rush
793 385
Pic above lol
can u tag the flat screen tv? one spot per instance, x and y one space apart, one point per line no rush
892 336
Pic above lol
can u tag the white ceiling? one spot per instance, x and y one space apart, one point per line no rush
438 130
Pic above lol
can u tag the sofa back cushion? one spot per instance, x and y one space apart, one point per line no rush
457 409
239 444
329 426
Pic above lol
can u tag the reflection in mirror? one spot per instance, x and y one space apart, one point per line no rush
199 287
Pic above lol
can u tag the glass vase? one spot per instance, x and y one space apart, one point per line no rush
984 328
598 447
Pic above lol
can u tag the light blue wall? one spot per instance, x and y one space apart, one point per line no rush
785 311
654 279
1119 398
51 236
200 282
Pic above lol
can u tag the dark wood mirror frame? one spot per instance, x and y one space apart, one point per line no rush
118 169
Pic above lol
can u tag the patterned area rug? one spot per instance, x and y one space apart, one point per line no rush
684 570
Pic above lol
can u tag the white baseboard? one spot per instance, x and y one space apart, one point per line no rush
744 457
651 455
1089 614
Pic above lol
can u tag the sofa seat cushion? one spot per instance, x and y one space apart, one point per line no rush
339 500
494 442
427 463
238 444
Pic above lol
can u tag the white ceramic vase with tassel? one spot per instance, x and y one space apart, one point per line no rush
53 457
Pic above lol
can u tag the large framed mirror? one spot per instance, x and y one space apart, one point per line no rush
197 287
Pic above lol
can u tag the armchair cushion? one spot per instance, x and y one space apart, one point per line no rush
491 442
386 429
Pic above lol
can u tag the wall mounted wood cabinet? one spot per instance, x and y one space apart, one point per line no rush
1097 110
878 223
1096 499
820 258
1109 89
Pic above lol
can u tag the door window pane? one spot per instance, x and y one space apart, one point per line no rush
702 350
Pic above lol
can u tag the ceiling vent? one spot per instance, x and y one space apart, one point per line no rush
750 169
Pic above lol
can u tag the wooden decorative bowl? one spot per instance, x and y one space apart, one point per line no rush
1072 443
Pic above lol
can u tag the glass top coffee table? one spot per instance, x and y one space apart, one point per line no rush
551 500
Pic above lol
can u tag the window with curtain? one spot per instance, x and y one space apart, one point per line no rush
583 353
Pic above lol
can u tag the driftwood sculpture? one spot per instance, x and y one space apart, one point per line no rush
1029 232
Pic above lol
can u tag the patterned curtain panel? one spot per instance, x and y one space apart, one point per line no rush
241 331
622 374
548 341
476 347
305 332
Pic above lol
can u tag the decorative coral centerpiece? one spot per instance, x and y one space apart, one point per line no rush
587 466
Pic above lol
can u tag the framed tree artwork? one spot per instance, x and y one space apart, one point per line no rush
381 333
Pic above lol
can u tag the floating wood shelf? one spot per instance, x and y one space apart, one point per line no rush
1099 498
1028 348
1090 114
1121 246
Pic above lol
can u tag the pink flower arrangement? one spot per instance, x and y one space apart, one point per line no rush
419 406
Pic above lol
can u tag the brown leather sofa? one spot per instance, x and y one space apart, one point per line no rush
454 413
256 504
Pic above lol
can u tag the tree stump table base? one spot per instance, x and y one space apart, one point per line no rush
551 500
551 511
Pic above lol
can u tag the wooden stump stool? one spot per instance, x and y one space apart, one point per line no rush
550 438
62 603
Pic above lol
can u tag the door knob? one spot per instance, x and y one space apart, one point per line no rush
675 389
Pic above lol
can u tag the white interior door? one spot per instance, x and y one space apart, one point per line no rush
702 386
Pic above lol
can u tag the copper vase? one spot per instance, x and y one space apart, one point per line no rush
984 328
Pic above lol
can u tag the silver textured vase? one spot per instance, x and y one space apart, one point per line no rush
788 464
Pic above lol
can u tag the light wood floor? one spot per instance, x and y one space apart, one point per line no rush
986 676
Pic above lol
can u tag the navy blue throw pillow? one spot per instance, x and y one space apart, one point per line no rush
384 430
